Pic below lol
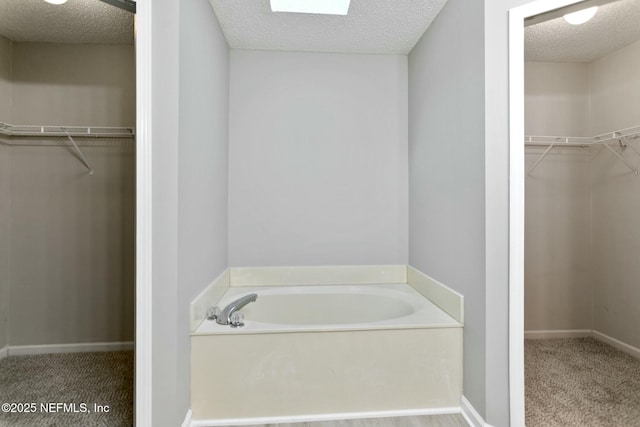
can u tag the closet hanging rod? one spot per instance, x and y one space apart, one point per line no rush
623 136
567 141
582 141
64 131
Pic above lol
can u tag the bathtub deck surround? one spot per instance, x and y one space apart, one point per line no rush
444 297
318 275
441 295
315 351
208 298
331 308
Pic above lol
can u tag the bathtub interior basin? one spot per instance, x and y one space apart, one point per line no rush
331 307
326 309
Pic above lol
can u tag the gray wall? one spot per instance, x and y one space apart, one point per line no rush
188 54
203 166
72 243
556 98
168 397
558 288
5 116
73 84
446 171
5 204
615 92
6 47
71 254
318 159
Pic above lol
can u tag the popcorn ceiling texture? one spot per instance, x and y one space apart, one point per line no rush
77 21
615 25
372 26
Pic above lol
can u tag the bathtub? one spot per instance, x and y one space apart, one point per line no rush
313 351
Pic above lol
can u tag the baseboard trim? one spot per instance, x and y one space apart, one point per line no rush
4 352
629 349
24 350
559 333
323 417
187 419
470 415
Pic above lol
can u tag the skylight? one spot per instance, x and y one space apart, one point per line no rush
323 7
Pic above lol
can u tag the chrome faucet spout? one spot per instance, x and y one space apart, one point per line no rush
225 316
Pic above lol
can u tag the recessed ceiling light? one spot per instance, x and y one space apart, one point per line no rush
56 1
581 16
324 7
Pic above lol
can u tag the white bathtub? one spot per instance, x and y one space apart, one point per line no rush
324 351
331 308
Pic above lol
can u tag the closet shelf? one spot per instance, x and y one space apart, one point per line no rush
582 141
622 137
65 131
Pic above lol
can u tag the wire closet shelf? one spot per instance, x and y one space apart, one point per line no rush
622 137
64 131
68 133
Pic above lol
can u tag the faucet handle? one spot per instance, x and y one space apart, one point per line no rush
213 313
236 320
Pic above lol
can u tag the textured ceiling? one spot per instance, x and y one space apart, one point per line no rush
372 26
77 21
615 25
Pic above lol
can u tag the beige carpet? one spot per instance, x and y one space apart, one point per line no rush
73 378
580 382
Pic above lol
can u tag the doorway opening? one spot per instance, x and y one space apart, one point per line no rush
572 98
67 209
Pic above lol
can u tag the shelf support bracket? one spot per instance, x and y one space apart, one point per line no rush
83 159
615 153
541 157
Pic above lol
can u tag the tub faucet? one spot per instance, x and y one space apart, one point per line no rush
225 315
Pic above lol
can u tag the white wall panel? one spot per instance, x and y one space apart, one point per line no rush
72 234
74 84
318 159
615 90
615 86
5 115
202 167
558 282
6 66
557 98
558 288
72 245
446 171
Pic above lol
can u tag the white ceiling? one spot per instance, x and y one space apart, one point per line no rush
615 25
77 21
372 26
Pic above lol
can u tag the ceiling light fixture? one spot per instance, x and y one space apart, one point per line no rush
323 7
56 1
581 16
